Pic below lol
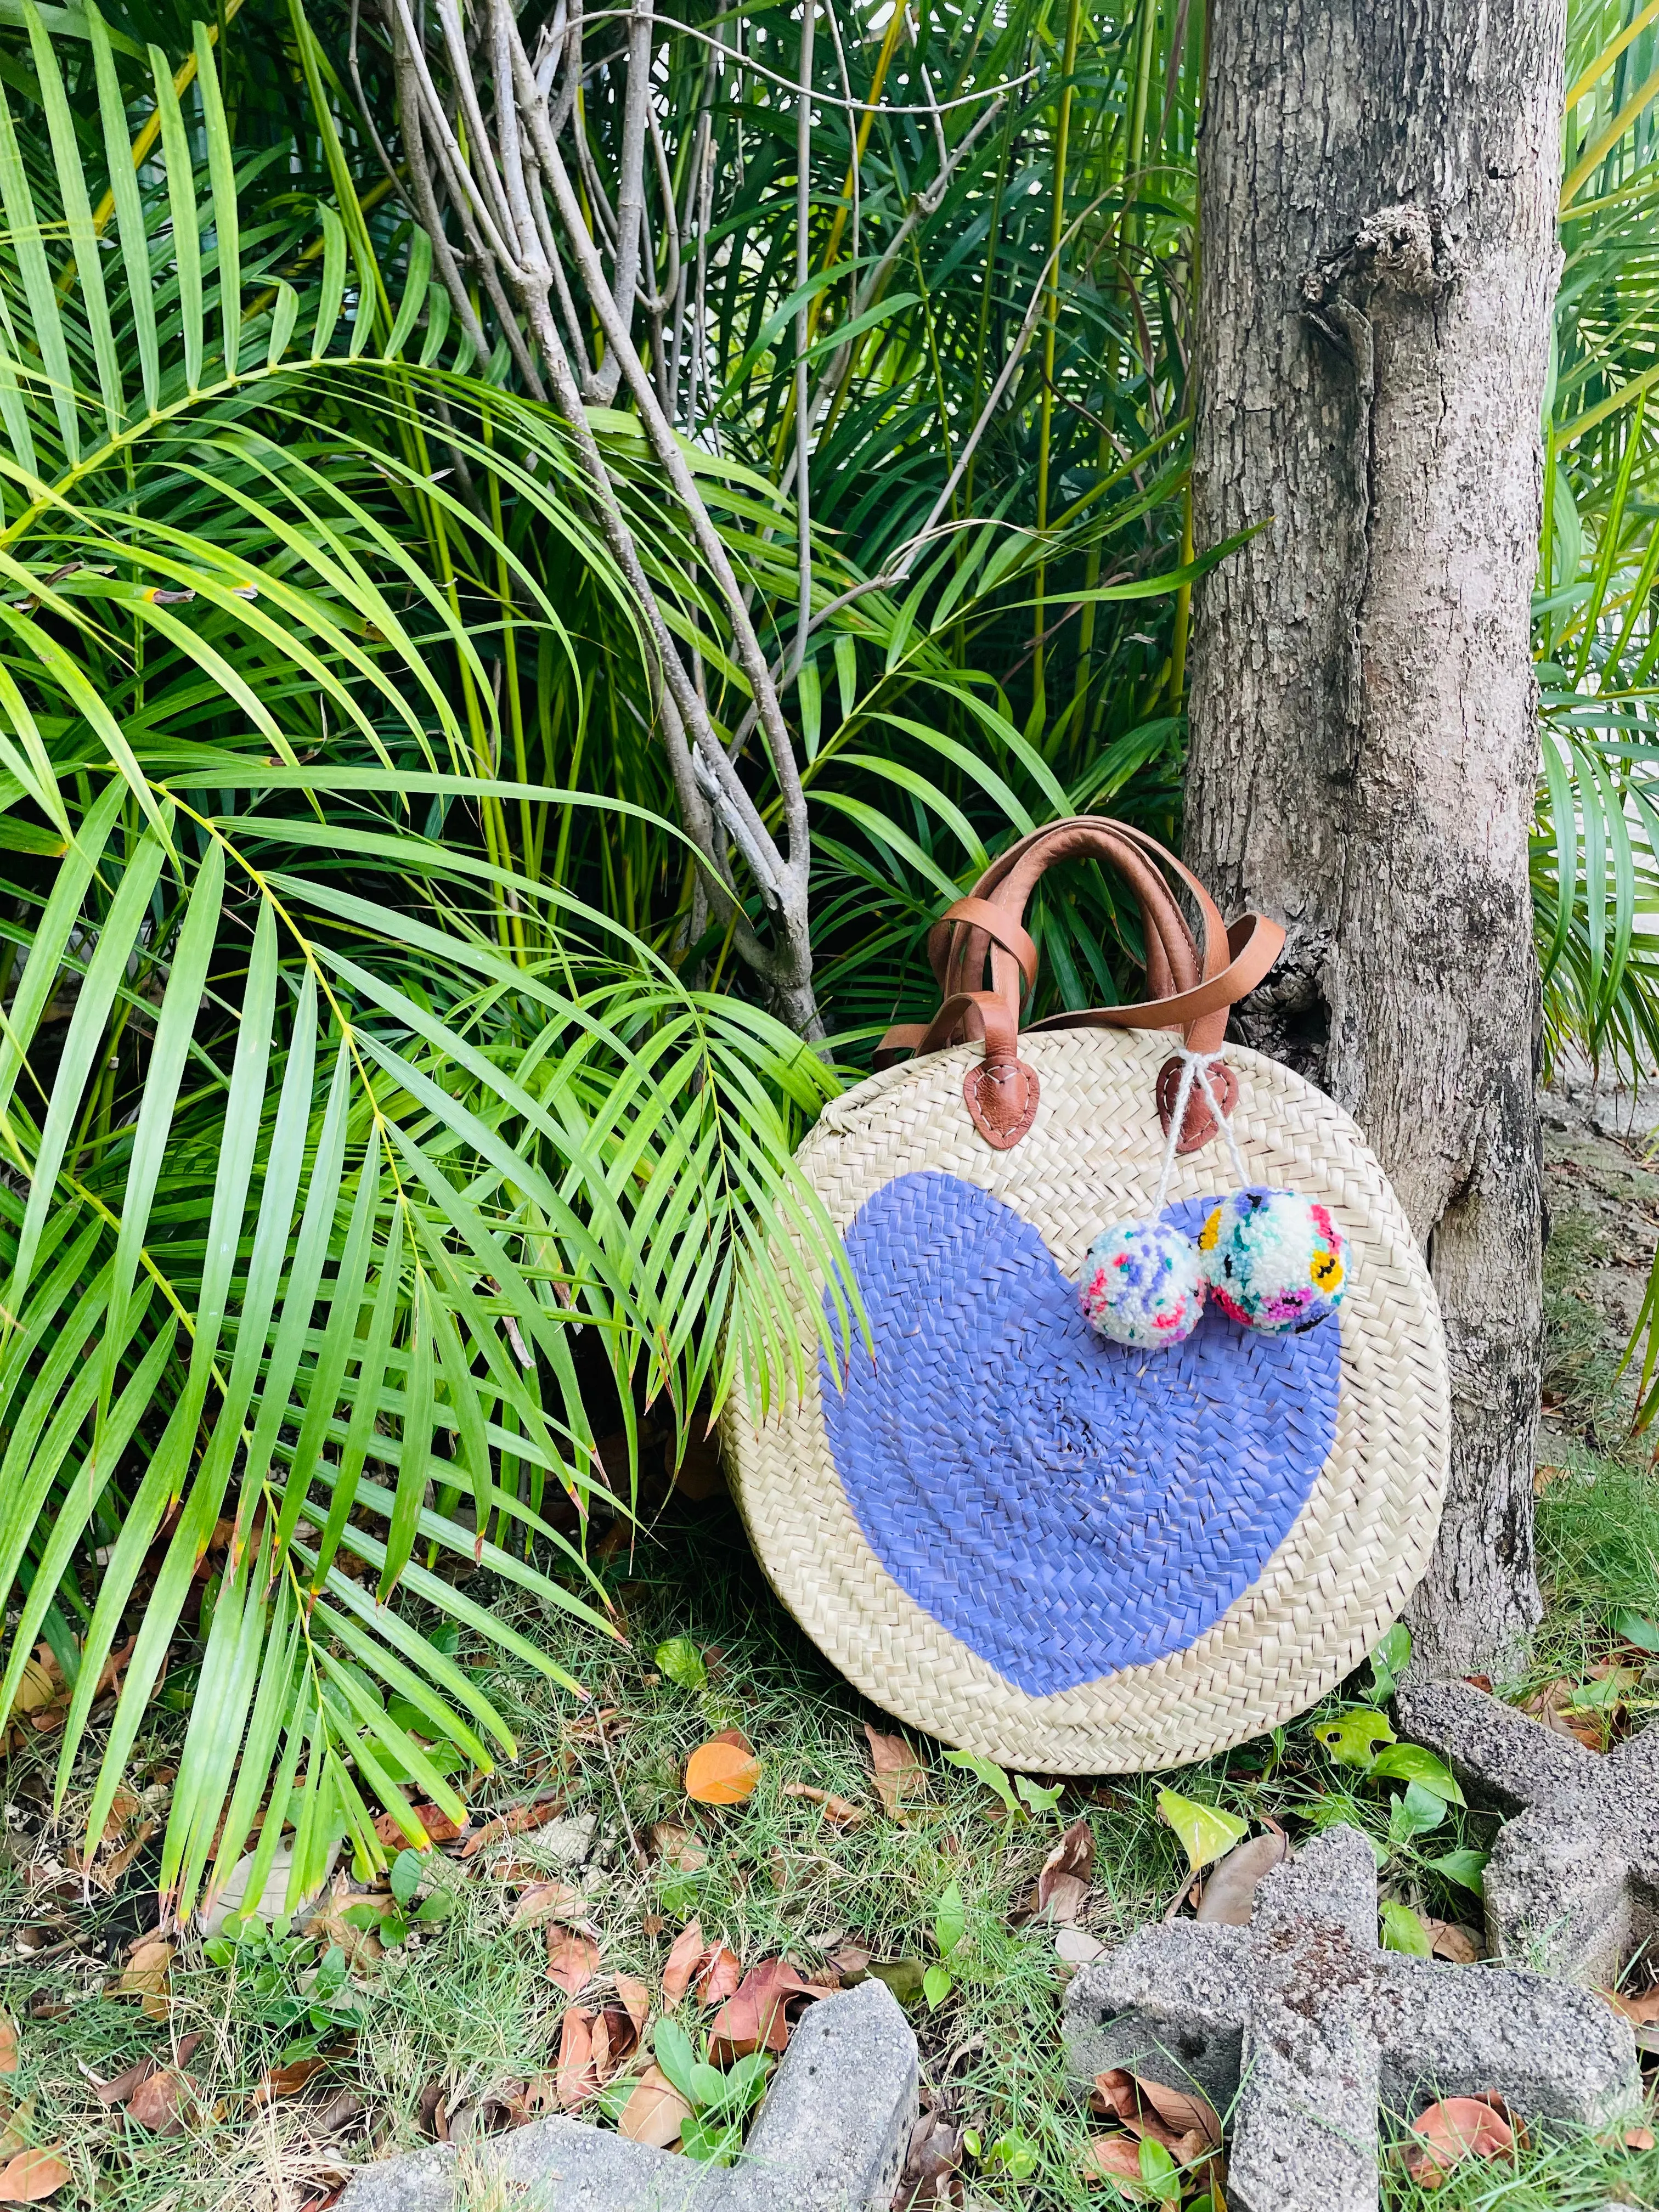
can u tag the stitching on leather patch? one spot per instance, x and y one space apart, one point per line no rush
1001 1137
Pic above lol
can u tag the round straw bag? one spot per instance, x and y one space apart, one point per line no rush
1073 1555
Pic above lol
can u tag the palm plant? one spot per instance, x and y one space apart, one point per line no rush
1596 857
348 1149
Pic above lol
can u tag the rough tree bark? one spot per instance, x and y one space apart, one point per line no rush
1377 189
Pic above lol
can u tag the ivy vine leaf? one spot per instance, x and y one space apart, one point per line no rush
1389 1660
1205 1829
1466 1867
1352 1741
1415 1813
986 1770
1402 1930
1038 1799
1409 1762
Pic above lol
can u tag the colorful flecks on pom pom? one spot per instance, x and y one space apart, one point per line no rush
1275 1260
1143 1285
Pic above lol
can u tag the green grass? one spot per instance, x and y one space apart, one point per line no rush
472 2008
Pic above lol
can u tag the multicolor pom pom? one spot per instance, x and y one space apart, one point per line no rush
1143 1285
1273 1261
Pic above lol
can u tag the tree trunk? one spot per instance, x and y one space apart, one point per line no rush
1377 189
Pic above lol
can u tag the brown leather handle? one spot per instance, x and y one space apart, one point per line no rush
1191 983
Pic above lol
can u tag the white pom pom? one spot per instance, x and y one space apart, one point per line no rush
1143 1285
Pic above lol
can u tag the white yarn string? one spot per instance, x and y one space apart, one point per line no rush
1194 1074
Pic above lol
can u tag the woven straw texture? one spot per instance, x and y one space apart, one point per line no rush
1059 1562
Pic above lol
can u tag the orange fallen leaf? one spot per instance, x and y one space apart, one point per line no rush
681 1964
1455 2129
899 1774
572 1960
840 1810
721 1773
33 2174
721 1971
576 2080
654 2112
7 2043
1638 2138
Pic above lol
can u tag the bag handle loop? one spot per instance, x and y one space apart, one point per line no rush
1191 982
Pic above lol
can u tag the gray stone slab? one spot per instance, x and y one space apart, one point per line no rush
1572 1883
830 2137
1304 2034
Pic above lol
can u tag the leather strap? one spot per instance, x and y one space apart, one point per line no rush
1191 982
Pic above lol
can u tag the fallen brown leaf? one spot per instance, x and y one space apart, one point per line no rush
572 1960
33 2174
1552 1705
1451 1940
683 1961
1231 1885
718 1976
1175 2117
1641 2009
145 1977
543 1900
287 2080
534 1813
576 2080
440 1828
1455 2129
931 2174
654 2112
676 1848
162 2102
120 2087
899 1774
1109 2158
1638 2138
636 2002
1067 1873
840 1810
720 1772
753 2018
7 2043
15 2136
852 1962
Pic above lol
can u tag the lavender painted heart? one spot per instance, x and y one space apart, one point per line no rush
1063 1506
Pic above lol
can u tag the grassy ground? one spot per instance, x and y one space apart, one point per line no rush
469 2008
